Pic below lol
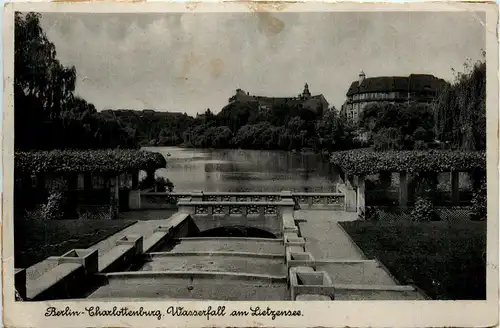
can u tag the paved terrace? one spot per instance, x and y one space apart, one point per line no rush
312 258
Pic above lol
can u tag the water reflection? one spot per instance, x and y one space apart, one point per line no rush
246 170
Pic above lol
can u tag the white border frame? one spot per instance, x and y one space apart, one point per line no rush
315 314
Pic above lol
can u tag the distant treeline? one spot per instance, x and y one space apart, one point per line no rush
49 115
238 125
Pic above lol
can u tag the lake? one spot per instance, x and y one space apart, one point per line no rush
237 170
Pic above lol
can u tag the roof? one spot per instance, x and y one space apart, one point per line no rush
412 83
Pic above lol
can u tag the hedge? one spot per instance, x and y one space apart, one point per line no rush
366 162
104 161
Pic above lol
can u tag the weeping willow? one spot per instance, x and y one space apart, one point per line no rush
460 110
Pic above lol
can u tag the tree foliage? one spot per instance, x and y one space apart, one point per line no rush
398 126
47 113
460 110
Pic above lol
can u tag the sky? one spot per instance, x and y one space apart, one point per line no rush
188 62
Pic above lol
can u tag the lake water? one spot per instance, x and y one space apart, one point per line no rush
245 170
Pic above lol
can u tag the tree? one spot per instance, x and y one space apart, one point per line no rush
460 110
334 131
398 126
47 114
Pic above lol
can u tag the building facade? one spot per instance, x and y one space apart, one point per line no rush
305 100
422 88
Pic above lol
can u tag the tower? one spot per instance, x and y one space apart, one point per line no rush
306 94
361 77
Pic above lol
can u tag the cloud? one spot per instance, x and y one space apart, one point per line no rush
190 62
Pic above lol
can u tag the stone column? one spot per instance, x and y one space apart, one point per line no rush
134 199
403 189
455 190
360 191
197 196
350 195
114 184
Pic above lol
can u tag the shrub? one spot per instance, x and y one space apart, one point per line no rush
423 210
54 208
163 184
160 184
479 203
370 213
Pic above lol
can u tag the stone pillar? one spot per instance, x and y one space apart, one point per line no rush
455 190
134 199
360 192
197 196
114 184
403 189
350 195
285 194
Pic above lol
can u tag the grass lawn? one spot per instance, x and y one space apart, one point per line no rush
35 240
445 261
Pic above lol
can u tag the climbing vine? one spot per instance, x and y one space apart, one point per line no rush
365 162
104 161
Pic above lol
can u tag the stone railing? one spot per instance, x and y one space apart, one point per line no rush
235 208
319 200
165 200
244 196
160 200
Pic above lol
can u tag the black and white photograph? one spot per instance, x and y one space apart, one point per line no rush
253 155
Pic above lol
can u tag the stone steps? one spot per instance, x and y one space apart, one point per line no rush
250 245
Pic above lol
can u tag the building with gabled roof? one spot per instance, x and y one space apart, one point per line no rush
415 87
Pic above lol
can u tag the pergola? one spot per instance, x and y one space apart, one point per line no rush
355 165
109 164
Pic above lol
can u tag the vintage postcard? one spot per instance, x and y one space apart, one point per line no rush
250 165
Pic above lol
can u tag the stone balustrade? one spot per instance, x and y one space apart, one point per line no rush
334 201
235 208
167 200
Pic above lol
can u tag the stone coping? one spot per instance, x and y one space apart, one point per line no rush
231 193
216 253
235 203
395 288
360 251
120 253
305 281
267 240
325 194
160 193
194 274
249 193
51 278
312 297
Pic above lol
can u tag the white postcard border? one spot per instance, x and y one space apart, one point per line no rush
315 314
